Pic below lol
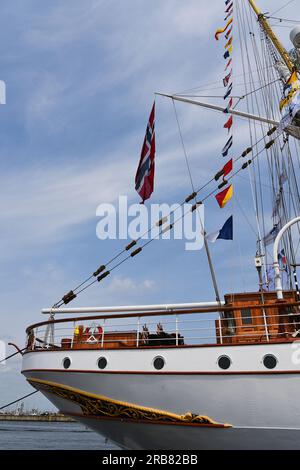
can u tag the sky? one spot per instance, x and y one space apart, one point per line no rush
80 78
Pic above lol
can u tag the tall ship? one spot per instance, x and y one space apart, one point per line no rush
219 374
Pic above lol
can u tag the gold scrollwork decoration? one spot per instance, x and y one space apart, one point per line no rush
101 406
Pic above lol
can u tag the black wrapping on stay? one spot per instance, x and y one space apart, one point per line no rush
99 270
68 297
103 276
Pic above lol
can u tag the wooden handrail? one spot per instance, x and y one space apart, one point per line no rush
228 308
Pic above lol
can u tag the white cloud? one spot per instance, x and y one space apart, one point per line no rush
119 284
38 206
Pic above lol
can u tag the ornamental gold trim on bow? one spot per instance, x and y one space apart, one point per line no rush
101 406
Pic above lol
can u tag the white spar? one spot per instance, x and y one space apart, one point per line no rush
133 308
214 107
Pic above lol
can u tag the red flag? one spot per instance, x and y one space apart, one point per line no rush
144 179
228 124
227 168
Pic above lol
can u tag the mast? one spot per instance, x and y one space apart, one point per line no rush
270 33
211 267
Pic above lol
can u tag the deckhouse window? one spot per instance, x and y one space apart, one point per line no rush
230 323
246 315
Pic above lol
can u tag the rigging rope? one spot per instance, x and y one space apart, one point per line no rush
266 78
207 251
183 148
281 8
201 87
288 200
245 53
283 19
12 355
233 96
19 399
265 71
102 269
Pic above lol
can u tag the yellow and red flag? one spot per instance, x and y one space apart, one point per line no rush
224 196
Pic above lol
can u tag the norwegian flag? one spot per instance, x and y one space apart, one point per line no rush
144 178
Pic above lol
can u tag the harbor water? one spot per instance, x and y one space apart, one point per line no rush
18 435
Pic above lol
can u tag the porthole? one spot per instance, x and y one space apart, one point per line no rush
224 362
270 361
102 362
158 363
66 362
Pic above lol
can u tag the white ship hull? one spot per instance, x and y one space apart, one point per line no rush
156 437
254 408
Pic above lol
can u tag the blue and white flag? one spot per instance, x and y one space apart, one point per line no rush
227 146
228 92
225 233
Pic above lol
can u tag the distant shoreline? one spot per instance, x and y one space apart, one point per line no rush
53 418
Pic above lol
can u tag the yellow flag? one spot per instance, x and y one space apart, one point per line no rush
222 30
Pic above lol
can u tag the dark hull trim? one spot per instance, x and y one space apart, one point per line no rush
136 372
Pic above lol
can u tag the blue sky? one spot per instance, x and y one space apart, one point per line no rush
81 77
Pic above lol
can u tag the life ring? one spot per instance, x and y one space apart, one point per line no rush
93 334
